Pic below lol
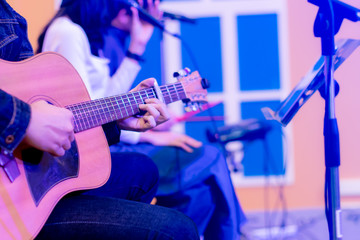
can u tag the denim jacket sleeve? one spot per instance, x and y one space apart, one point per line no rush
14 119
14 43
14 46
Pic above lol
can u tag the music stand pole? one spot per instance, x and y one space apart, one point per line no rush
324 28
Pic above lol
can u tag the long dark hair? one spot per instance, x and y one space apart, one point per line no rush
94 16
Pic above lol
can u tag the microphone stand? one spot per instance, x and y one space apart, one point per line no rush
327 23
179 18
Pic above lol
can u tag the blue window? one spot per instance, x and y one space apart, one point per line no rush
152 65
258 52
197 129
263 157
201 50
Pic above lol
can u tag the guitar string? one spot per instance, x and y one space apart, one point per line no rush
84 110
96 121
130 106
95 109
101 100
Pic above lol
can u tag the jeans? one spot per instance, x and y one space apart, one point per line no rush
197 184
108 213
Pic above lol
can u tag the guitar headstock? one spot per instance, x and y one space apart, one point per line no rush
195 89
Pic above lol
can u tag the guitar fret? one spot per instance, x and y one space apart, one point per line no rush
86 119
89 116
97 112
116 113
111 110
177 93
182 94
127 113
136 103
166 94
169 93
119 107
152 93
139 97
102 112
130 104
108 109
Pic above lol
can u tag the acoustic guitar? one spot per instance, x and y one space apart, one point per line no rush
27 201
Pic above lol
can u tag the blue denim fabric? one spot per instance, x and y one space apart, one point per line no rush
133 176
107 213
14 46
14 119
105 218
14 43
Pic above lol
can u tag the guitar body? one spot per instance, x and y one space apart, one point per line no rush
26 203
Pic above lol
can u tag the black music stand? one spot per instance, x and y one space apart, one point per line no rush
309 84
313 81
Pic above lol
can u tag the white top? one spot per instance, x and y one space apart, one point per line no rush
69 39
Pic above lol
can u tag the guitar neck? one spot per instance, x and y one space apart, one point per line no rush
97 112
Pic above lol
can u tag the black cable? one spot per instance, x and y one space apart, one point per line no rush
281 197
186 47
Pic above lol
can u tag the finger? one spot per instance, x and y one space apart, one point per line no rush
66 145
160 106
156 3
156 11
58 151
71 137
185 147
192 142
149 82
149 6
141 3
149 122
150 109
135 14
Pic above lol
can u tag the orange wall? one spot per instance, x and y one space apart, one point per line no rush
308 187
36 12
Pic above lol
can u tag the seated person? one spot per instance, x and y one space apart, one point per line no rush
50 129
197 183
194 177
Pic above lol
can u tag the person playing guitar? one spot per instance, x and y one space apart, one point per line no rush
50 128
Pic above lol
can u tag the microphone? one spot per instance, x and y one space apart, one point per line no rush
178 17
246 130
146 16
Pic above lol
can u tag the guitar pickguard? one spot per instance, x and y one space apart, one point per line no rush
43 170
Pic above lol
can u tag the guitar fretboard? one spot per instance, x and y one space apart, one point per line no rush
97 112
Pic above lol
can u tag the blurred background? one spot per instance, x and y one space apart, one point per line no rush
254 52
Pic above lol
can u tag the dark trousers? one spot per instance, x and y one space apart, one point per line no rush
119 209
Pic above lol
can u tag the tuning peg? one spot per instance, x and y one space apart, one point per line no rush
181 73
205 83
195 106
187 108
191 107
201 106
